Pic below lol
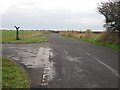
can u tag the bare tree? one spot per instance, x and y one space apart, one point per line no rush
17 34
111 11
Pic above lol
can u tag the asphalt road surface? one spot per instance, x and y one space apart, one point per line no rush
66 63
80 64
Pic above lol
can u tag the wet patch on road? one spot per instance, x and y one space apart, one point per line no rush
36 59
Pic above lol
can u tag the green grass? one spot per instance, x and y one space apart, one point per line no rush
113 46
13 33
13 76
9 37
26 40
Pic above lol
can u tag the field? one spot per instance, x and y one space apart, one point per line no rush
13 76
25 36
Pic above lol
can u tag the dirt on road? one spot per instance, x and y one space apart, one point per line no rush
66 63
36 59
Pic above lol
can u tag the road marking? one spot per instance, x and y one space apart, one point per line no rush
107 66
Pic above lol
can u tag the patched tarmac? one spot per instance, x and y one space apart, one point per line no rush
36 59
66 63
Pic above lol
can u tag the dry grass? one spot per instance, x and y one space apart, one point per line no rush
105 37
76 34
111 38
35 34
72 34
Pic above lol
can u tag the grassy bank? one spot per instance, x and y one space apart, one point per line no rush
25 36
113 46
13 76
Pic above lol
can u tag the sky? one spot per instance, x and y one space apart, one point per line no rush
51 14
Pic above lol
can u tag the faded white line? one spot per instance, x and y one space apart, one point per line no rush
107 66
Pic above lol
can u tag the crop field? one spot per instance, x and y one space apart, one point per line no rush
25 36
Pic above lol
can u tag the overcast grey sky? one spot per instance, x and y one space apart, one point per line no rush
51 14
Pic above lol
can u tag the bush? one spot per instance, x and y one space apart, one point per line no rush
88 34
111 38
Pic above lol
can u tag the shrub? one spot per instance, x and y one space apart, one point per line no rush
88 34
111 38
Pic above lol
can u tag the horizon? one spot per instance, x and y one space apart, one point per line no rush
52 14
13 29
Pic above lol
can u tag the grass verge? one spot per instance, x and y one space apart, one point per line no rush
13 76
26 40
113 46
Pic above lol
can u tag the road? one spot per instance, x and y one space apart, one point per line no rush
66 63
83 65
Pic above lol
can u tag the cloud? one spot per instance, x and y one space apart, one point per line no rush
66 5
64 14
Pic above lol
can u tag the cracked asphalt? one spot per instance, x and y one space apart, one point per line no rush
66 63
80 64
35 59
